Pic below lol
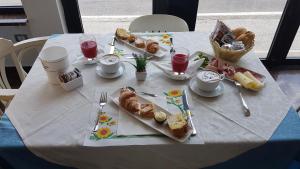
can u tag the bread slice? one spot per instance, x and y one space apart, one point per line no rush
122 33
178 125
147 110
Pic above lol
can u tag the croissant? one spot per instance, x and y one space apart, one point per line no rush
128 100
152 46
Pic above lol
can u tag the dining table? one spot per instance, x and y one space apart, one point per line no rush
45 126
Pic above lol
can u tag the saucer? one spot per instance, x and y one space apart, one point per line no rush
81 59
102 74
194 87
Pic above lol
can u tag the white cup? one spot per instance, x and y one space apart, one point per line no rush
110 63
54 58
208 80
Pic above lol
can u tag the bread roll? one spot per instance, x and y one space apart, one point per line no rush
122 33
178 125
131 38
247 38
139 43
239 31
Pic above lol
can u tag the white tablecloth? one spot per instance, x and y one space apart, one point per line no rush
53 123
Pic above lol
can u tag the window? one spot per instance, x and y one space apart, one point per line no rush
105 15
260 17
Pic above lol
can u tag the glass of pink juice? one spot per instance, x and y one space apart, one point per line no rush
180 60
88 46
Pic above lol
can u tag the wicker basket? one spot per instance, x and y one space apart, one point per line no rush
228 54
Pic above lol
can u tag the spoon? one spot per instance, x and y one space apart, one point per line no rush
144 93
245 106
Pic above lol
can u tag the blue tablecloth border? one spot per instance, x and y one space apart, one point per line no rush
282 151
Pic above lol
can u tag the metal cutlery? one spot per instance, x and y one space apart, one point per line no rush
112 45
188 112
102 103
245 106
144 93
172 50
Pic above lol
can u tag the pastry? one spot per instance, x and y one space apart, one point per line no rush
178 125
152 46
160 117
147 110
122 33
128 100
139 43
238 31
131 38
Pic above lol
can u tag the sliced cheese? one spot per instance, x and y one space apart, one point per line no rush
258 85
244 80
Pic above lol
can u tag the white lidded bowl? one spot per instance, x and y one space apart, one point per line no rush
54 58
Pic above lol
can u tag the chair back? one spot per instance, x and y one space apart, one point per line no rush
16 52
158 23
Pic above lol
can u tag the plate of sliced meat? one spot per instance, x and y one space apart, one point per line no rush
232 72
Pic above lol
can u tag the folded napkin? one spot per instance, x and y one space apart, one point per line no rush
166 67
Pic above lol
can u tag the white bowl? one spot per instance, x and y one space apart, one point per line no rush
54 58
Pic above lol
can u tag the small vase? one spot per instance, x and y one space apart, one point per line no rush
141 76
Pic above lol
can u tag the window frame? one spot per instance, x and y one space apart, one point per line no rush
12 9
284 37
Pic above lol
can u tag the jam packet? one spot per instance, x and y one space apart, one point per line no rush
69 76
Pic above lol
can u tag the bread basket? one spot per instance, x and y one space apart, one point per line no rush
229 55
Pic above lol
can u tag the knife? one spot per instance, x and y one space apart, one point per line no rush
112 45
187 110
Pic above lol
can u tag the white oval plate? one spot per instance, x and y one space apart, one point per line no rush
160 53
162 128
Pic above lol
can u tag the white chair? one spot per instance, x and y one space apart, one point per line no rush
16 51
158 23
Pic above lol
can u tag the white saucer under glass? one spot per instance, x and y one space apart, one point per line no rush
194 87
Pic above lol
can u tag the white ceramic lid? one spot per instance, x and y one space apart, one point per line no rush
54 54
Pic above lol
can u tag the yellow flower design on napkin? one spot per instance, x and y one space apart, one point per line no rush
166 36
175 93
103 132
104 118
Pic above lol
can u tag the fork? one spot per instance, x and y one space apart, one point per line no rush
245 106
102 103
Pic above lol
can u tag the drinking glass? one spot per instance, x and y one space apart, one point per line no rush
88 46
180 60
